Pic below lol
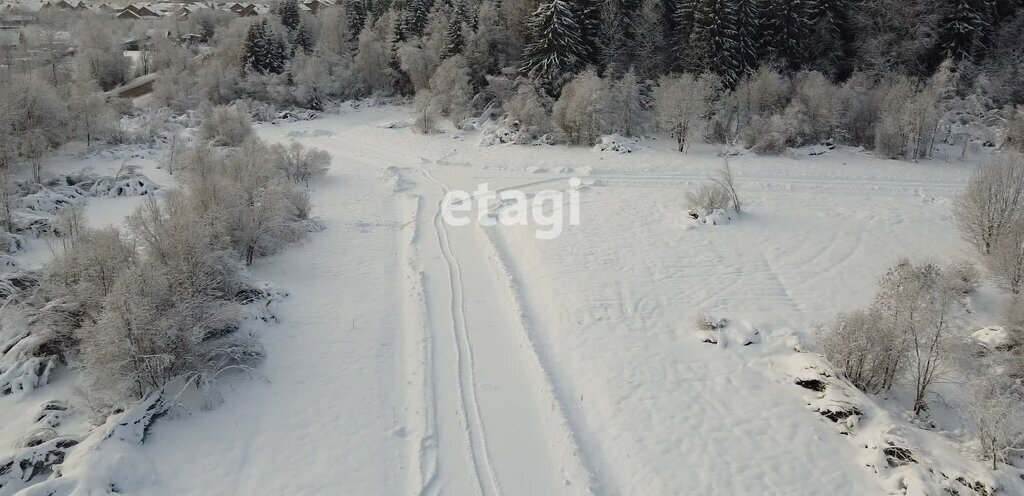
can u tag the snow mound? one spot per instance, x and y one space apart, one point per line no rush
993 337
312 225
49 200
134 185
394 179
617 144
717 217
261 300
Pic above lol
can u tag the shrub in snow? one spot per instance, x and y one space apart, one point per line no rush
49 200
707 197
717 195
705 322
299 163
863 350
993 201
581 112
527 110
225 126
994 410
425 119
905 333
1006 262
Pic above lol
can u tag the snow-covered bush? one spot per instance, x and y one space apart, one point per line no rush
299 163
995 409
1006 261
905 333
993 201
707 196
225 126
527 110
581 112
450 89
864 351
909 117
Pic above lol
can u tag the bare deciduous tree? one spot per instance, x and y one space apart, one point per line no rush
993 201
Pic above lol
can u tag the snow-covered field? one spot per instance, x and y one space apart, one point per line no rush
415 357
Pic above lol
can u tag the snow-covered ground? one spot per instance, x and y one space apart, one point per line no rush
416 357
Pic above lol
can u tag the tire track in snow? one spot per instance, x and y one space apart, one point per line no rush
484 477
421 400
567 426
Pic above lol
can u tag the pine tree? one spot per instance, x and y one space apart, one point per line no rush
417 14
748 35
787 29
256 47
588 16
357 13
289 14
277 51
714 40
556 50
612 40
649 39
964 29
683 16
303 40
454 39
829 37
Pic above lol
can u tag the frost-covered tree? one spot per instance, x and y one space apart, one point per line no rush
626 105
299 163
451 90
373 63
527 109
225 126
993 201
581 112
993 408
1006 262
613 36
557 49
682 104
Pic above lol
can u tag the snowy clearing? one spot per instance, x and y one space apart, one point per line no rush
414 357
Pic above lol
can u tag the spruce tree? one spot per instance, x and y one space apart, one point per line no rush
356 12
964 29
289 14
417 14
556 50
714 40
256 48
748 35
649 39
787 29
454 39
277 51
830 36
303 40
683 17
